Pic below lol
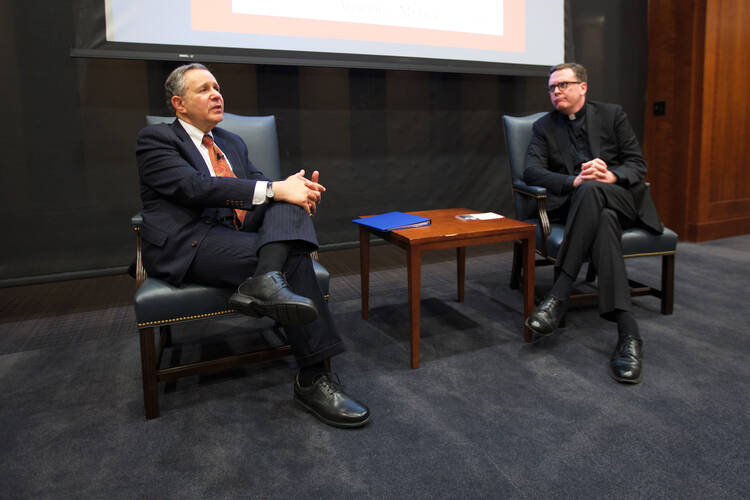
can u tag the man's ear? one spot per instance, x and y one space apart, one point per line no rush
584 88
177 103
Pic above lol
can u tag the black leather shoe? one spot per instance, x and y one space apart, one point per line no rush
547 315
625 365
269 295
326 400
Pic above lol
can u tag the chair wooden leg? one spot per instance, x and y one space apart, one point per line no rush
515 273
148 373
667 284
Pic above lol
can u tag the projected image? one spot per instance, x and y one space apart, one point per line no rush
491 31
481 16
473 24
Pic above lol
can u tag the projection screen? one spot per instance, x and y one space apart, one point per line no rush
494 36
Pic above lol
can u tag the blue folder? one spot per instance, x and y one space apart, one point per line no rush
393 220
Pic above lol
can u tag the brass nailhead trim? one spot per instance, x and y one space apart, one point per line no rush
185 318
670 252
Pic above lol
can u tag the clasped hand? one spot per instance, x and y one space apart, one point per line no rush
298 190
595 170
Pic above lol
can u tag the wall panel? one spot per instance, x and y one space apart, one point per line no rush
699 64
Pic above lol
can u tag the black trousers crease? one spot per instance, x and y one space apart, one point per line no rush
594 219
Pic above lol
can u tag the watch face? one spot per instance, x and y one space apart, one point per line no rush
269 190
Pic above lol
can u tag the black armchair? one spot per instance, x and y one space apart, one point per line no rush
530 207
159 305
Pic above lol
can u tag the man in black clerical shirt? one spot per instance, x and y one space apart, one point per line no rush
588 158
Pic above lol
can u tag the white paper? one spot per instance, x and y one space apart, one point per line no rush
482 216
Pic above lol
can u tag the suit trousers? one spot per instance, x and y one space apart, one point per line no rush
226 257
595 218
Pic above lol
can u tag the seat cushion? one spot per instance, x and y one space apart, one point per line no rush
637 241
158 302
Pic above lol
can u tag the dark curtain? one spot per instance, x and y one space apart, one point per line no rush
382 139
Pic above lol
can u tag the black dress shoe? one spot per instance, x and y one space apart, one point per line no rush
326 400
625 365
269 295
547 315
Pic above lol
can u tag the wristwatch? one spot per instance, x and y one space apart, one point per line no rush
269 190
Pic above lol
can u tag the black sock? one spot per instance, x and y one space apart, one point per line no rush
272 256
626 324
308 374
563 285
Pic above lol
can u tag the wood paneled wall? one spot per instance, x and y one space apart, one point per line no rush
699 65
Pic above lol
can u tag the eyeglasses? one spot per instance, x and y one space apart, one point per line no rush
560 85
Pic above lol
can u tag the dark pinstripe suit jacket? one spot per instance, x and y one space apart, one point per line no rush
181 200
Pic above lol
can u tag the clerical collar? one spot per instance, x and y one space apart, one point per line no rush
579 114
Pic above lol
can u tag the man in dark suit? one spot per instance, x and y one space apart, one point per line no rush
210 217
588 158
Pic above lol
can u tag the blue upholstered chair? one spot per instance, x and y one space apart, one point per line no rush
159 305
530 207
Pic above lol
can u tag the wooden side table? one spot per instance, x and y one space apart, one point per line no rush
448 232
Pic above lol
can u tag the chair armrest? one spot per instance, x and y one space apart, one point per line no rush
533 191
538 193
136 221
140 273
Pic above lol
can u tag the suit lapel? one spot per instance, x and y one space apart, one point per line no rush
592 124
194 156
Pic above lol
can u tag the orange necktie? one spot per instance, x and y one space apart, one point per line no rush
221 169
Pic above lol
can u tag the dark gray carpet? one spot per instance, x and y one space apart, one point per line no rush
486 415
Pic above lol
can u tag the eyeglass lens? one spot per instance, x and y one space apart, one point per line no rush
561 85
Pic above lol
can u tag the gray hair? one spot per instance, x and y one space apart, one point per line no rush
175 84
578 70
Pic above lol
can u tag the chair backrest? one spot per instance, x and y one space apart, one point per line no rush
259 134
518 130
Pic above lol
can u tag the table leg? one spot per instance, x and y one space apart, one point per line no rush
529 247
461 271
414 270
364 270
